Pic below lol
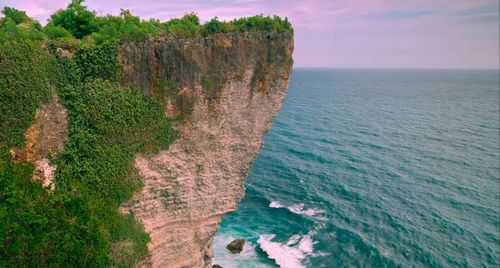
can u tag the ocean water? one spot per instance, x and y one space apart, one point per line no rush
375 168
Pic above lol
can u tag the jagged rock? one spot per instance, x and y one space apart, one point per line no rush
236 246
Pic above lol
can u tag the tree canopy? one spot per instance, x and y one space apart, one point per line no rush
17 16
76 21
76 18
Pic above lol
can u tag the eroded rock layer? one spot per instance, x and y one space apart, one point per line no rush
226 89
44 138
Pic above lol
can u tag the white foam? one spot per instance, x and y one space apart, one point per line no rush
306 244
297 208
229 260
276 204
293 240
284 255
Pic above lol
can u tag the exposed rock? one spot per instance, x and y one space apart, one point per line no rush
236 246
227 88
46 136
64 53
173 68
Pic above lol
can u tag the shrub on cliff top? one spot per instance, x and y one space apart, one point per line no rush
27 30
17 16
263 23
56 32
255 23
185 27
78 22
76 18
122 28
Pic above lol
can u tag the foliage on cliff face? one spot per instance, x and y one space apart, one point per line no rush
95 61
21 94
77 224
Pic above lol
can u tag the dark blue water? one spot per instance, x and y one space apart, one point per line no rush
375 168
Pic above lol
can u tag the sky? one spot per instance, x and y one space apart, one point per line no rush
344 33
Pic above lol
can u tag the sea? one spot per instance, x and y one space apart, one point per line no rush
375 168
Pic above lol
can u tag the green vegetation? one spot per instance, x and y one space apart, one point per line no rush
255 23
108 126
76 21
123 28
78 224
208 86
56 32
16 26
24 86
95 61
15 15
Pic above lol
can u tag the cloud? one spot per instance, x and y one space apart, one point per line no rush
399 14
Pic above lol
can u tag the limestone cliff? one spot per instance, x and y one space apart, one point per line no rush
225 88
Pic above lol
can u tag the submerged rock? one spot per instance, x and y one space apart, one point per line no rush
236 246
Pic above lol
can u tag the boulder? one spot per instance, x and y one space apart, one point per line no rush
216 266
236 246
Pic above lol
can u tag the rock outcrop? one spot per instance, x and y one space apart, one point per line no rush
44 138
224 89
236 246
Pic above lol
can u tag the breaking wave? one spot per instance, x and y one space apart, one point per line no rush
297 208
289 254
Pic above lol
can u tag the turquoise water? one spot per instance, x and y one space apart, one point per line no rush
375 168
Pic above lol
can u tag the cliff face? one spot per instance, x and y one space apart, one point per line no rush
225 88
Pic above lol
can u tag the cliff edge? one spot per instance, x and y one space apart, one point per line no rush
225 90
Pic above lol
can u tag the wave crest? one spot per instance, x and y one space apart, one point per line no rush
289 254
297 208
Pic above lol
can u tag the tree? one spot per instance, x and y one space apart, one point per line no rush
17 16
56 32
76 18
192 17
212 26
